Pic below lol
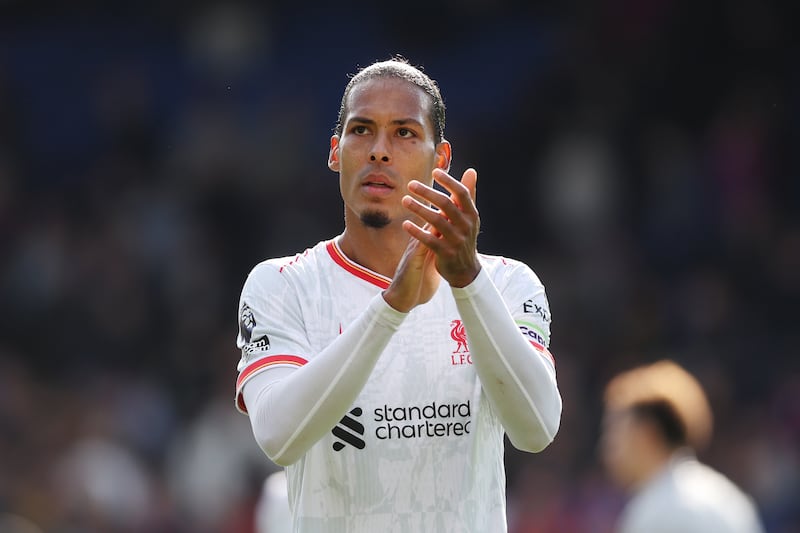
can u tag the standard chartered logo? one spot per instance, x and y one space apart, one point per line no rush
349 430
430 420
415 422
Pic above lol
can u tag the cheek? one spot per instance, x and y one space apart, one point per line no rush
607 448
349 162
614 450
350 147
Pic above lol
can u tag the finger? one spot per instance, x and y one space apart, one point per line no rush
425 237
426 192
433 231
442 201
459 193
436 222
470 180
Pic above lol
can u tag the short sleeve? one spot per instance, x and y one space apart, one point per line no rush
525 297
271 327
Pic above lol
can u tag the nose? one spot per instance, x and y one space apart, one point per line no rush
380 150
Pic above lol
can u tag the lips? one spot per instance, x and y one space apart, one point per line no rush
377 180
377 185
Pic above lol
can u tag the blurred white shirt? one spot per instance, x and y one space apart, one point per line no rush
272 512
690 497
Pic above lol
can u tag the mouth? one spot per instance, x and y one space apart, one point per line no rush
377 180
377 185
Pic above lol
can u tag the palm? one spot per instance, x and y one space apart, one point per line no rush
416 279
430 278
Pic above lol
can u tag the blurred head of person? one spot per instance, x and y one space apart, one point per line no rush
650 413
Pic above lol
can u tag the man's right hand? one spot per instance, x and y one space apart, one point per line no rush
416 279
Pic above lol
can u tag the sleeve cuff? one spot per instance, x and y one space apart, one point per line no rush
385 313
468 291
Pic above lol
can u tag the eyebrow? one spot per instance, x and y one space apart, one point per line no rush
396 122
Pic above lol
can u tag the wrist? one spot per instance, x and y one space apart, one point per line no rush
395 302
462 280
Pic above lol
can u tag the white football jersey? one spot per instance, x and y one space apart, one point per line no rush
421 449
690 497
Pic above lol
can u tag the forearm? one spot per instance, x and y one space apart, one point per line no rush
518 380
291 410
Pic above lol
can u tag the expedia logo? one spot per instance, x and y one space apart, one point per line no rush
529 306
349 430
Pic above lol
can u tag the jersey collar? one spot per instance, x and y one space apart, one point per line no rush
354 268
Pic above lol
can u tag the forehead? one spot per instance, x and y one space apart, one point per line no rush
618 419
390 98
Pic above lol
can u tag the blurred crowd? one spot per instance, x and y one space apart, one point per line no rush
639 155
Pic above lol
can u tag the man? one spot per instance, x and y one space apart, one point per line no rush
382 367
655 416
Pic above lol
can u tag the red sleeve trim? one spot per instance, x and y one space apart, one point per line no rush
259 365
544 351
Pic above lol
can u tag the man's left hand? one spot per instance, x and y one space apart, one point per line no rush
454 224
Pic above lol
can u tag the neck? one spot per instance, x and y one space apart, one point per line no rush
651 463
379 250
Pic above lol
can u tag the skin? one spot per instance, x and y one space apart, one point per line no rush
631 449
387 160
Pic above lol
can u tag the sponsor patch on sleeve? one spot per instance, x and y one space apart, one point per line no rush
536 337
537 307
247 323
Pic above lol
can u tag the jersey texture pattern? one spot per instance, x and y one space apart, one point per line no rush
421 449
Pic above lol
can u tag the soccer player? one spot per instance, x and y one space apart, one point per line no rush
383 366
656 416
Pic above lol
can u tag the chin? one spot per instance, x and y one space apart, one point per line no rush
375 219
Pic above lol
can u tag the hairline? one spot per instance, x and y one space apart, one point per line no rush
400 69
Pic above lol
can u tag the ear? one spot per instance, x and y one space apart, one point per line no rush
333 155
444 154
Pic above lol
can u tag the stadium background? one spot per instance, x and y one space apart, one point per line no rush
641 156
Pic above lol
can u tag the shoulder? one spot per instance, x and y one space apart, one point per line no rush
282 270
690 475
655 502
291 264
652 509
703 483
691 497
505 269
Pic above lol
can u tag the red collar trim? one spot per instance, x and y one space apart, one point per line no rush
357 270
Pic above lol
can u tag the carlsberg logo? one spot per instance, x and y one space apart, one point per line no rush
431 420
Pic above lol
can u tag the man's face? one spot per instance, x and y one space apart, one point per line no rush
387 140
621 439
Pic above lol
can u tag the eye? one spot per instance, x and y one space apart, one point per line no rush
405 132
359 129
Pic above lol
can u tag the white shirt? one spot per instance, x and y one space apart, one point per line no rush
421 448
690 497
272 509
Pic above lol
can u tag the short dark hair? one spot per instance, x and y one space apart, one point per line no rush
667 394
662 415
398 67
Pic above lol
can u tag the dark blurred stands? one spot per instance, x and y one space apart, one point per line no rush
640 156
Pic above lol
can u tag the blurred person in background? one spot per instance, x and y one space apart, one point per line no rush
272 509
656 417
383 367
11 523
